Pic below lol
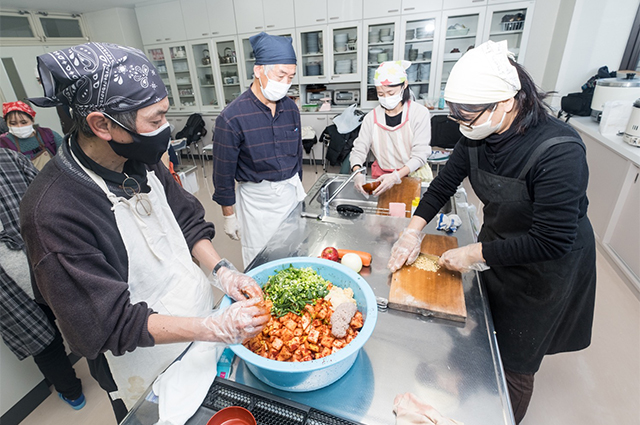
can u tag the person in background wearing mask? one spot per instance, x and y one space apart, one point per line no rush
28 328
257 142
398 132
39 144
530 172
111 234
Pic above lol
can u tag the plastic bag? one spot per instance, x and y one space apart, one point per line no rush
348 121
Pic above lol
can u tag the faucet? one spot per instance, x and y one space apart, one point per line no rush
323 191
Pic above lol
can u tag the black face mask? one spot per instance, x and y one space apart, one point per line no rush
147 147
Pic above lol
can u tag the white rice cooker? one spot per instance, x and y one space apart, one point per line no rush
632 133
609 89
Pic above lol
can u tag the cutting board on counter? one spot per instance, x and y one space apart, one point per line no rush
404 192
437 294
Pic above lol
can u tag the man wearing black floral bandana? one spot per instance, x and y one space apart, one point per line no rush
111 235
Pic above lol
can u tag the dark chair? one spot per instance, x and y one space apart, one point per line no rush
444 136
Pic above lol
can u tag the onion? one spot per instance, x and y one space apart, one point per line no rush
353 261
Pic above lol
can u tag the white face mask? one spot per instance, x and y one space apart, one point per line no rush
21 132
482 131
274 90
390 102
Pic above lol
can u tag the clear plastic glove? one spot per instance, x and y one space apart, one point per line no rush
406 249
237 323
464 259
238 285
410 410
358 181
232 227
387 181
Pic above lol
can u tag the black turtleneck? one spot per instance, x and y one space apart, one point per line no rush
135 170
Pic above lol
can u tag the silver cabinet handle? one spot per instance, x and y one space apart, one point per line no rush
476 1
409 8
167 39
158 39
320 118
334 18
320 20
258 28
393 10
205 33
270 26
215 32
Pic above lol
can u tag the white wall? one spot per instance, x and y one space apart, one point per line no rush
117 25
597 36
17 378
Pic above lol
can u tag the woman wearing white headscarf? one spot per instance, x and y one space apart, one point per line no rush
530 171
398 132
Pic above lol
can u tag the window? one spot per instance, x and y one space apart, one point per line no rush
61 27
631 57
15 26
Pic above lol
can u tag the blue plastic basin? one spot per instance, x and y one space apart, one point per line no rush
314 374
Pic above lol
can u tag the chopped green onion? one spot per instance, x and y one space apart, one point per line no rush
290 289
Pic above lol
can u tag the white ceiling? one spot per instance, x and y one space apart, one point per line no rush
72 6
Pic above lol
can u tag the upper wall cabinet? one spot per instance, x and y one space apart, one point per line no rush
344 10
161 23
456 4
208 18
382 8
253 16
327 11
420 6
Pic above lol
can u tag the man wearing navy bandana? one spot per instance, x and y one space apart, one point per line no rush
257 142
111 235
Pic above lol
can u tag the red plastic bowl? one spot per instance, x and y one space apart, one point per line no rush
232 415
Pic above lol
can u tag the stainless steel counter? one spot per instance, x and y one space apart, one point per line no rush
454 367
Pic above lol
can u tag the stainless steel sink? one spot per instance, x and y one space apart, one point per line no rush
330 182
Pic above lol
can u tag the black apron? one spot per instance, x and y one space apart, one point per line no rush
538 308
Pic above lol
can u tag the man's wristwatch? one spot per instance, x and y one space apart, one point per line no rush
222 263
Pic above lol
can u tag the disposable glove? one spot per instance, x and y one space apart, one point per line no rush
464 259
387 181
406 249
410 410
237 285
232 227
358 181
237 323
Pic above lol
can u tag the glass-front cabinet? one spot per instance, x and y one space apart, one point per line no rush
510 22
159 60
461 30
420 47
184 95
206 78
344 55
229 69
381 43
311 57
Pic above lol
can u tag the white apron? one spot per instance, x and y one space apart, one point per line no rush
392 145
161 273
261 208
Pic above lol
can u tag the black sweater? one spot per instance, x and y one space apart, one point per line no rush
80 261
557 186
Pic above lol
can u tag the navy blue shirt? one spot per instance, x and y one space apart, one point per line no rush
251 145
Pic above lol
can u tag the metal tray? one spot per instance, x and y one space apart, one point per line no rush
268 409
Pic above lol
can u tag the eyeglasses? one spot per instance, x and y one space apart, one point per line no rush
131 188
469 125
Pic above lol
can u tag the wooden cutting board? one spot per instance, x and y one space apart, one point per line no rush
404 192
438 294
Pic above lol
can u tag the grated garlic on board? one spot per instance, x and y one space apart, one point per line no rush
426 263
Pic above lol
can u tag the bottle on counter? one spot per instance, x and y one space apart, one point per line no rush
441 100
414 204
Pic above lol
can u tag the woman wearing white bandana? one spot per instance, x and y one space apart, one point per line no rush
398 132
530 171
